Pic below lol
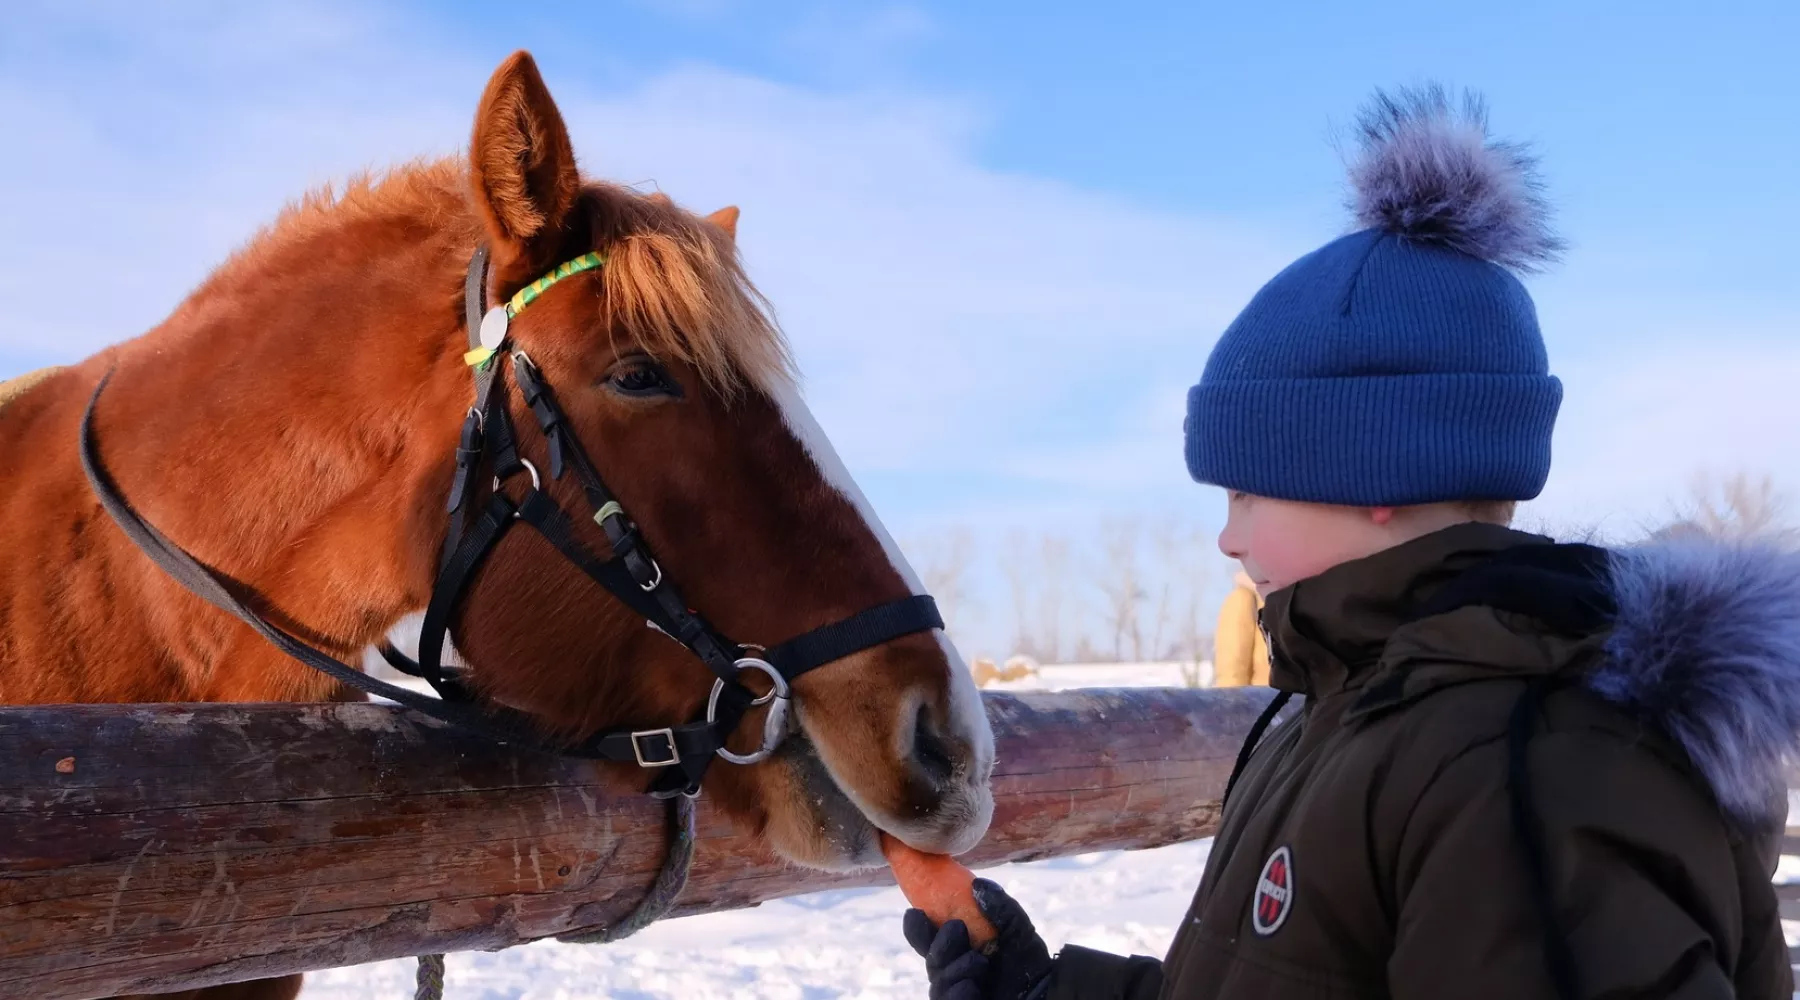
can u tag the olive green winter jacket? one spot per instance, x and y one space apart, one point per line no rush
1374 847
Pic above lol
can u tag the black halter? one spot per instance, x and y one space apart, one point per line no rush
681 752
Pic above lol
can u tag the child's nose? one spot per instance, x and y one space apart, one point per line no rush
1228 544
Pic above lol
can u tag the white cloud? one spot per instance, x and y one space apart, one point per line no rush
1636 427
148 144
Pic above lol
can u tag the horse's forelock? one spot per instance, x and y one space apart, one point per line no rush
677 284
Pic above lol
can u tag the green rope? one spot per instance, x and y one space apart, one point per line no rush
483 356
663 892
524 297
430 979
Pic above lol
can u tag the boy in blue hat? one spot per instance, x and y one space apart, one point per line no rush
1521 768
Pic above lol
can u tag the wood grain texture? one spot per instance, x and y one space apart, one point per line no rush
147 848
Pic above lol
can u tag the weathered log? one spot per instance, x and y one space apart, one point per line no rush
146 848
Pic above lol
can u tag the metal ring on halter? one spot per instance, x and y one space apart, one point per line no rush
536 483
480 421
775 727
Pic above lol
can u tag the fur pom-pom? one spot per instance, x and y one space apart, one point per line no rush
1427 171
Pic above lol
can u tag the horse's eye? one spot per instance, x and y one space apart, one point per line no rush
643 378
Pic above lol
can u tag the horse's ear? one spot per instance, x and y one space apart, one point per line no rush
726 219
521 162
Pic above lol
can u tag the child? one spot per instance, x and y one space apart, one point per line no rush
1521 768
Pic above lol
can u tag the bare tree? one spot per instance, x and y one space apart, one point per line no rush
944 561
1184 570
1170 583
1086 651
1055 570
1016 566
1740 506
1119 576
1038 572
1197 607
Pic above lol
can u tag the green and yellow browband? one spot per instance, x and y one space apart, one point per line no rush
494 324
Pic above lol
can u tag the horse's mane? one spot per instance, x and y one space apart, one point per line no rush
672 278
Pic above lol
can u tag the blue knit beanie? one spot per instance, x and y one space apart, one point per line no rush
1400 364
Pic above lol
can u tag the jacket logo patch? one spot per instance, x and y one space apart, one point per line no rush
1274 893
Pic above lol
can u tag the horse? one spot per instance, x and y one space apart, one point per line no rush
294 424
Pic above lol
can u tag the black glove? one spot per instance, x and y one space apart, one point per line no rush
1015 966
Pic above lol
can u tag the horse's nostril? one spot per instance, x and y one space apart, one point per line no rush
930 750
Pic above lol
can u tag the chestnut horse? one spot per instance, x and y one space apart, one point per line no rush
292 424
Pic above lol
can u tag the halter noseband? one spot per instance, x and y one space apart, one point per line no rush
681 753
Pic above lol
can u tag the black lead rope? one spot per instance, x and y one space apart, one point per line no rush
1248 750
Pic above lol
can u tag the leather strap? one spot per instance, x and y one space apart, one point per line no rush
865 630
475 294
446 593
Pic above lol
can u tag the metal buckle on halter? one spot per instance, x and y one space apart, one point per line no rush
775 724
536 482
656 580
668 736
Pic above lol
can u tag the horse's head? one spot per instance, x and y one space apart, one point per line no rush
676 382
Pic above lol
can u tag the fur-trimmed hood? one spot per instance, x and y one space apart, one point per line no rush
1705 647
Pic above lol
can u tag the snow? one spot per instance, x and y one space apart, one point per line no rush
1066 676
828 945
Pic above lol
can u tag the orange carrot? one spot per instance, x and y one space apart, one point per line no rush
940 886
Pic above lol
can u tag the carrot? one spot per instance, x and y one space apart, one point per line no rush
940 886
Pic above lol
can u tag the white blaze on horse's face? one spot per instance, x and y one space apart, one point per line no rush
963 821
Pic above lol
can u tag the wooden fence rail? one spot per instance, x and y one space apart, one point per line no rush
149 848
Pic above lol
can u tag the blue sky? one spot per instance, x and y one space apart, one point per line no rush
1001 235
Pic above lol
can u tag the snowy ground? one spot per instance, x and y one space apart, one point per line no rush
845 944
829 945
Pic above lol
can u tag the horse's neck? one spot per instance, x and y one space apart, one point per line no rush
299 458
